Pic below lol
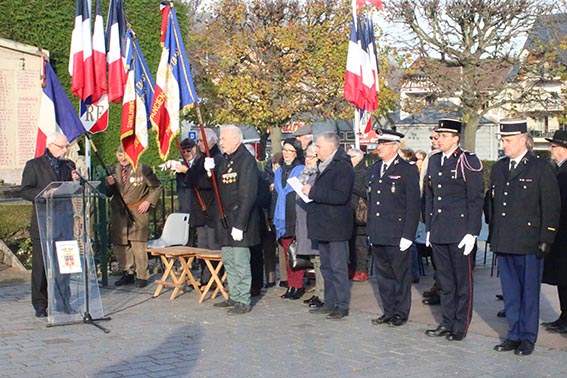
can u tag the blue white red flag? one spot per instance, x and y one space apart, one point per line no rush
81 66
116 53
174 91
137 101
94 110
56 112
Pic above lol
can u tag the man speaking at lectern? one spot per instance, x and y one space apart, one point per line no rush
37 175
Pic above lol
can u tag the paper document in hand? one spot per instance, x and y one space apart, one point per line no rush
296 186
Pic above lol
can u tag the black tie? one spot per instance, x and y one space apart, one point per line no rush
512 165
445 158
384 167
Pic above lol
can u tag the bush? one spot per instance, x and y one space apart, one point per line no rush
15 219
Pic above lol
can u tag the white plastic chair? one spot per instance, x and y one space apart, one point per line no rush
175 231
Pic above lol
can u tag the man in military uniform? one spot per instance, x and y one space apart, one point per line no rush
394 205
525 206
140 189
555 265
453 212
237 176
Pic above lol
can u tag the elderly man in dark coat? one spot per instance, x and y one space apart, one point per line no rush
237 176
37 175
555 264
330 221
525 206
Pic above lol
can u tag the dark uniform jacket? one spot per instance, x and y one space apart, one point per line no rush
555 264
525 205
453 203
198 180
393 202
237 177
141 185
330 216
37 175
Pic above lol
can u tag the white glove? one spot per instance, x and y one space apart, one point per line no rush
467 242
427 243
405 244
170 164
209 163
236 234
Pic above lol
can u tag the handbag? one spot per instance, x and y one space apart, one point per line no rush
296 261
361 212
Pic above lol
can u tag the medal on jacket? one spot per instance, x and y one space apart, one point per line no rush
393 189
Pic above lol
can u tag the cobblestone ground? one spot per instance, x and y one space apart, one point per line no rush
279 338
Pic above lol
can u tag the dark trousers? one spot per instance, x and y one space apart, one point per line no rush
392 268
562 292
38 278
256 267
520 278
206 239
454 276
359 253
269 250
334 267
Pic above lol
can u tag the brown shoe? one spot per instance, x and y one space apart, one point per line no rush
431 292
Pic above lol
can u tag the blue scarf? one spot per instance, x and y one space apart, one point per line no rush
279 211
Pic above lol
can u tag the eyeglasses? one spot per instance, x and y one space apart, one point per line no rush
288 150
436 137
64 147
311 156
187 150
383 142
199 140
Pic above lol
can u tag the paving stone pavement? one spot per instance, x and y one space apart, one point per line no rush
279 338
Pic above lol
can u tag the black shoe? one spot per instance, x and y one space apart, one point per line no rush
525 348
41 313
298 293
501 314
255 292
456 336
432 301
554 323
141 283
321 310
381 320
283 284
437 332
397 321
126 279
289 292
500 297
316 303
227 303
337 313
308 301
560 328
507 345
269 285
239 309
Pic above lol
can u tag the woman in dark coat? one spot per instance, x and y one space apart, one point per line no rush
284 210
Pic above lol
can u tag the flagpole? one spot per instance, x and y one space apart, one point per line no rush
356 128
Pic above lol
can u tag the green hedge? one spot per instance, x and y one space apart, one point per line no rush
14 218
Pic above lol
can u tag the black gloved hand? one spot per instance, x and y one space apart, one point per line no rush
543 250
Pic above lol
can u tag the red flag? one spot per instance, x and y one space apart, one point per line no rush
81 61
376 3
116 54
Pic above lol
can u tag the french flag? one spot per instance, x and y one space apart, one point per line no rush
137 101
116 54
56 112
81 67
174 91
94 110
353 77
